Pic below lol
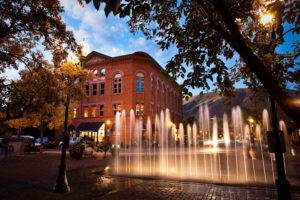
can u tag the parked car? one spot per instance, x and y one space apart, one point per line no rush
72 140
47 143
28 140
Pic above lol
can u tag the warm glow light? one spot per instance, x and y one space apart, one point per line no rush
73 58
171 123
85 48
108 122
266 18
107 168
251 120
172 170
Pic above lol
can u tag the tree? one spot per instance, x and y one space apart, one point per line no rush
68 74
206 32
26 27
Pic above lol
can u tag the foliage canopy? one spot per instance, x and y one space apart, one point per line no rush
207 32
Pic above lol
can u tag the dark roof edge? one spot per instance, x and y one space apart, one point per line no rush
136 55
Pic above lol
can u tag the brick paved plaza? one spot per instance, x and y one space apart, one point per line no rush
32 176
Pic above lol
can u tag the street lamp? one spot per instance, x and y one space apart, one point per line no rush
283 185
61 185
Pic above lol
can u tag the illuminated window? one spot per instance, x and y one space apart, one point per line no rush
101 110
93 111
94 89
87 90
116 108
75 112
86 111
102 88
103 72
139 109
117 84
140 83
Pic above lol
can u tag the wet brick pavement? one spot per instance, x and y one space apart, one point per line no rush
32 176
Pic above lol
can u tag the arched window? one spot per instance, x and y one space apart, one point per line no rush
96 72
102 73
140 83
117 84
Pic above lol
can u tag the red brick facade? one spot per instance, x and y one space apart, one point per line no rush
127 81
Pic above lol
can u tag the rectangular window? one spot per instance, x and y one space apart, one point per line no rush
137 84
94 89
86 111
87 90
139 109
117 85
140 85
101 110
93 111
116 108
102 88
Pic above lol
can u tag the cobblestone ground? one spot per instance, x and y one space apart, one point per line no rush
173 190
33 176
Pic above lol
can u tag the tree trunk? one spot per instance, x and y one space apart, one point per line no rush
237 42
41 135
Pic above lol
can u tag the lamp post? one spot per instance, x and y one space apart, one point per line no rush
282 184
61 185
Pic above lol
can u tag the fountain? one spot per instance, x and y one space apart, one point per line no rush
159 149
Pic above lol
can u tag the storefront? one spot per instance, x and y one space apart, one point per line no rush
94 130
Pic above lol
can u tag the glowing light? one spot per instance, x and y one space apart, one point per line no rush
172 170
266 18
170 123
108 122
85 48
250 120
107 168
73 58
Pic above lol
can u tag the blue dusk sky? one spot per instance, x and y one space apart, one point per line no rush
111 36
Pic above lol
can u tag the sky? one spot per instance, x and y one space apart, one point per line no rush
111 36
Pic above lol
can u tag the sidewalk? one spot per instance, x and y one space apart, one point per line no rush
32 176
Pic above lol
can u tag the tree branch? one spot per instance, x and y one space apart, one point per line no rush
285 101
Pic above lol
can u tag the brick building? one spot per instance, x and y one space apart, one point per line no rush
134 81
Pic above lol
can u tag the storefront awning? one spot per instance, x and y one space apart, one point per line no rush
89 126
71 127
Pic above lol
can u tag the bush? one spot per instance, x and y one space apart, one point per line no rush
76 150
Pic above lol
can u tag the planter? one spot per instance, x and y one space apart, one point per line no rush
76 150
